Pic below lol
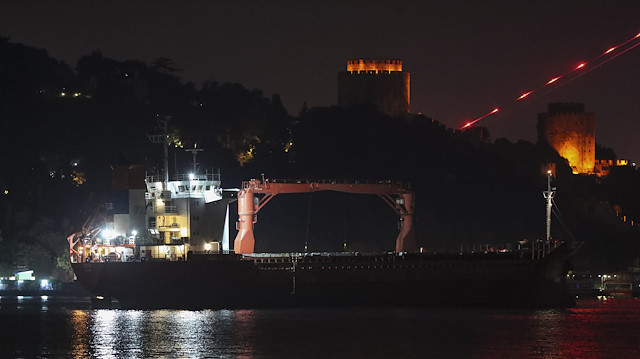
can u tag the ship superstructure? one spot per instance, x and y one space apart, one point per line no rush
156 215
178 217
147 218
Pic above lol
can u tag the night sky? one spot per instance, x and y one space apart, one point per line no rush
465 57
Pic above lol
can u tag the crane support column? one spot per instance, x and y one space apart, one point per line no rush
245 241
406 241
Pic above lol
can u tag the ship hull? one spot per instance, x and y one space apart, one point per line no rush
298 280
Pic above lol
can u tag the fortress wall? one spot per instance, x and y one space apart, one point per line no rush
571 132
381 83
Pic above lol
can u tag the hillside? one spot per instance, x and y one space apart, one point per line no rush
64 127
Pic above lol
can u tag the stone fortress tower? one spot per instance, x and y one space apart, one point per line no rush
379 82
571 132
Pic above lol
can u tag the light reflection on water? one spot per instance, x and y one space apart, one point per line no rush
592 330
106 333
79 323
160 333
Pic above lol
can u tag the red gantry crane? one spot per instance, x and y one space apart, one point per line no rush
398 196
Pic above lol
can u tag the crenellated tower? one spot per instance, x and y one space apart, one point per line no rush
571 132
378 82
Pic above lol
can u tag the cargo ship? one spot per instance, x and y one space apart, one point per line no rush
332 279
186 265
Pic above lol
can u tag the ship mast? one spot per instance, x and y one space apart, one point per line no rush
195 151
548 195
164 139
164 125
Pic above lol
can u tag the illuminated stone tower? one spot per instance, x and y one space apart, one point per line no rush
379 82
571 132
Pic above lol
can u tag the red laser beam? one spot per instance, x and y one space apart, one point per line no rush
469 124
553 80
524 95
583 66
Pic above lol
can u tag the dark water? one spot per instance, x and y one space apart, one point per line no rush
32 327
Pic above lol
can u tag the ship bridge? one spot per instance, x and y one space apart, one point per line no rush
192 185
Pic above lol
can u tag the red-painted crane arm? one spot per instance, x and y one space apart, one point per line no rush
396 195
304 186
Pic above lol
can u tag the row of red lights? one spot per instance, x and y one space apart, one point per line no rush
580 66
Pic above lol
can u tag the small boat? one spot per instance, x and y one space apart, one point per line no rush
617 289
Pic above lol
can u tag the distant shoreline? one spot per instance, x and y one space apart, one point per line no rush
70 289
